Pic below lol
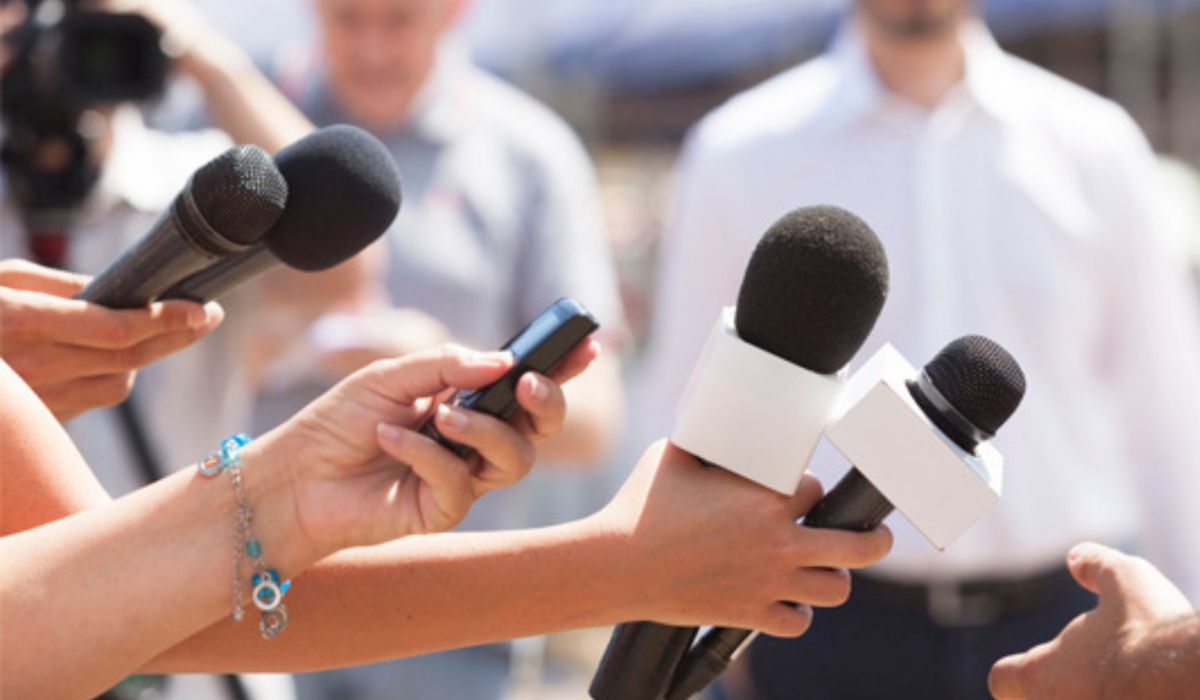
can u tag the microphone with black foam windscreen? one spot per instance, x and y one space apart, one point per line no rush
923 441
344 193
764 389
224 209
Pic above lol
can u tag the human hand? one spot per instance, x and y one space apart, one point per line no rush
709 547
1095 655
77 355
361 474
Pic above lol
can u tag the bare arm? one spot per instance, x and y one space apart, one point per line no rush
639 558
30 436
135 576
107 590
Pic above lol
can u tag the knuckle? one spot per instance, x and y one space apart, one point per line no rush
812 486
840 587
451 353
115 331
125 359
115 388
526 455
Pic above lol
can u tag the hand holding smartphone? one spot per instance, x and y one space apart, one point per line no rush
539 347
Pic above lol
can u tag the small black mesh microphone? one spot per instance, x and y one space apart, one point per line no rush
812 291
344 194
968 390
225 208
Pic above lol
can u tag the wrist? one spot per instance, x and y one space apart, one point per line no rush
630 584
269 479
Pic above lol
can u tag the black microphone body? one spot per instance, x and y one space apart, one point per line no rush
967 391
812 291
225 208
217 280
344 192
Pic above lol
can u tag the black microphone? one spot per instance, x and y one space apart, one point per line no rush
812 291
968 390
225 208
344 193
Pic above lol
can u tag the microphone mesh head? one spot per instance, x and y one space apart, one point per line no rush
980 379
345 192
814 287
240 193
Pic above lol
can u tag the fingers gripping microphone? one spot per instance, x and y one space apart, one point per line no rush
920 438
225 208
344 194
764 388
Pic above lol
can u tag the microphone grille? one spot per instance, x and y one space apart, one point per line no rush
240 193
813 288
345 193
980 379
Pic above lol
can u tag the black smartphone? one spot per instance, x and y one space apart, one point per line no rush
539 347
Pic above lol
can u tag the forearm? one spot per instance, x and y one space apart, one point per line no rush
428 594
43 477
239 98
89 598
1163 663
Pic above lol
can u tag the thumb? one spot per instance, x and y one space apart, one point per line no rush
1093 565
429 372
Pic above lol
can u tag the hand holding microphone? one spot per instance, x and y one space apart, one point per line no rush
764 389
919 442
78 356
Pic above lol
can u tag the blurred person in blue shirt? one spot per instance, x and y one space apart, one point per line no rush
501 217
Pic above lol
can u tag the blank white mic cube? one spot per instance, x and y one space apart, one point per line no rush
753 413
941 488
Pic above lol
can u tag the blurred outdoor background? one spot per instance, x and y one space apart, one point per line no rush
632 75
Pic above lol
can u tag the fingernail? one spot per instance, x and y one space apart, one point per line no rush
538 388
388 432
213 314
451 417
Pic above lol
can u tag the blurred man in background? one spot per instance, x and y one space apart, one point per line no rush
501 217
1013 204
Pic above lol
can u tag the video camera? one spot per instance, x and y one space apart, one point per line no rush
67 60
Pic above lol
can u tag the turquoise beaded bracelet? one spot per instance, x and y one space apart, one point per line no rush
267 590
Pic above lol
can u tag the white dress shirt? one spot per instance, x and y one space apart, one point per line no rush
1022 208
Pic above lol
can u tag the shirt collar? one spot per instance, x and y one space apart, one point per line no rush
859 91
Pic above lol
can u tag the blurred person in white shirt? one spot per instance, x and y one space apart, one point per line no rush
1011 203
